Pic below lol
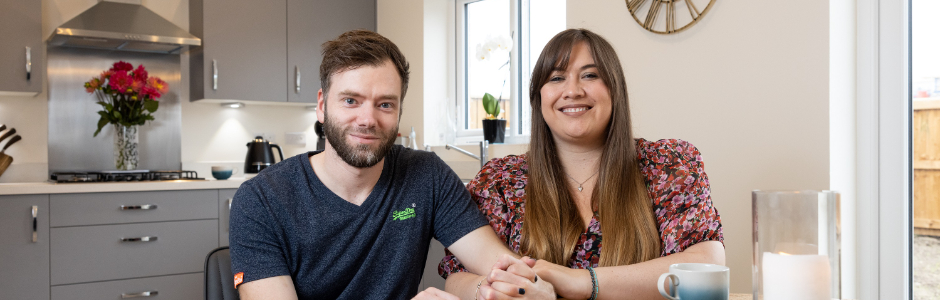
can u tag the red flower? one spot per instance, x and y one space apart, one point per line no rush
136 85
158 84
140 74
122 66
120 82
149 93
106 74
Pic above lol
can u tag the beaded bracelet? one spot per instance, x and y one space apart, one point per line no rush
595 288
476 295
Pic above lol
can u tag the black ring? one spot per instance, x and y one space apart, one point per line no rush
536 279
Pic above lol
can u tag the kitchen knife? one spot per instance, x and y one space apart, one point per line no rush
10 143
7 134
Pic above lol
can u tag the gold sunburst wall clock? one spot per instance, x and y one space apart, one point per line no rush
668 16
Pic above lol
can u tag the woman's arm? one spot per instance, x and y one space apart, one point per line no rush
636 281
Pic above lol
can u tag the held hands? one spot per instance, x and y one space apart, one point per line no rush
568 283
513 278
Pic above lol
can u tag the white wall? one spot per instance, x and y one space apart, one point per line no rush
211 135
748 85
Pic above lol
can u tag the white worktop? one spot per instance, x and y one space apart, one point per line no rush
97 187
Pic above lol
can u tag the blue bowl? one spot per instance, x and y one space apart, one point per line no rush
222 175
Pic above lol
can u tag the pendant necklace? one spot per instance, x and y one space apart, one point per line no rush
581 183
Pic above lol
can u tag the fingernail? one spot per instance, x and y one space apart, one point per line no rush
521 291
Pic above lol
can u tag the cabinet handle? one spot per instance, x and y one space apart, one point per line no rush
29 63
229 203
141 294
35 224
139 207
140 239
215 75
297 74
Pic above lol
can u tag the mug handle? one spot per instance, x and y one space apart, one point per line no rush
674 283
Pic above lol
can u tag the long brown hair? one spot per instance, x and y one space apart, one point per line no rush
552 224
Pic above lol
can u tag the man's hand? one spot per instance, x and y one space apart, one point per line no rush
434 294
512 278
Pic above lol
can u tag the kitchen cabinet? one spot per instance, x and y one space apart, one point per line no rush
243 52
225 206
274 57
24 263
309 25
21 63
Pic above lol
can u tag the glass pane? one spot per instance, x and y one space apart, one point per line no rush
488 45
925 89
546 18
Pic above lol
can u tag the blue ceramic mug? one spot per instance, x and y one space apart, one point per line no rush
692 281
221 173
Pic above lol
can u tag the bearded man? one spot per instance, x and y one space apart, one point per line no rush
354 221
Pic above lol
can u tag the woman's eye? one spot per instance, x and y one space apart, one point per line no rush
556 78
590 75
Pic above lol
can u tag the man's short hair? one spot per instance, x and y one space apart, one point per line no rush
357 48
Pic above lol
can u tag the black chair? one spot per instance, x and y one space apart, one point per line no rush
220 283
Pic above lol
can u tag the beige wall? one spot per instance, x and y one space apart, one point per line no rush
748 85
401 21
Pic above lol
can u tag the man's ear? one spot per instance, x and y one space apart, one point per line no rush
321 99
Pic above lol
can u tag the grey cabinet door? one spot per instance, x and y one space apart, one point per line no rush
244 49
20 27
310 23
24 264
225 206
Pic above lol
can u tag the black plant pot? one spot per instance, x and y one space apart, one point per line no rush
494 130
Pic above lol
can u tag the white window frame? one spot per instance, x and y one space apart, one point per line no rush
884 147
518 97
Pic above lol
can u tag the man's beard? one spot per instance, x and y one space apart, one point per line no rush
359 156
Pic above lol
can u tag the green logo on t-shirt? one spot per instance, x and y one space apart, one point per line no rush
404 214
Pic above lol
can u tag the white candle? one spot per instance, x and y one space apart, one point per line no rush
789 277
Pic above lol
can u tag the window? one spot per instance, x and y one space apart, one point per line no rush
495 40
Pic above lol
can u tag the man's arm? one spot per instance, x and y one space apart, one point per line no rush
274 288
478 251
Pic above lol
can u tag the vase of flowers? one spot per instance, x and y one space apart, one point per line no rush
128 97
494 128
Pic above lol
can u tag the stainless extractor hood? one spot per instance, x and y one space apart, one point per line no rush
121 26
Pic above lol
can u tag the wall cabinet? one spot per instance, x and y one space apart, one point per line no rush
21 63
24 244
274 57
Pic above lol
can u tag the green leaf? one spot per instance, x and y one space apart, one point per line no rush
151 105
101 123
116 114
489 103
496 108
106 105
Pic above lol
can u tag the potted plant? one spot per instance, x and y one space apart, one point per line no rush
128 97
494 129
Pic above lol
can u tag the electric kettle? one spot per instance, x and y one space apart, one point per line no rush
260 155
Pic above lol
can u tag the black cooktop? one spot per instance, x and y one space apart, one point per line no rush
123 176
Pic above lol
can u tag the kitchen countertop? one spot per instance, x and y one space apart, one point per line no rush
97 187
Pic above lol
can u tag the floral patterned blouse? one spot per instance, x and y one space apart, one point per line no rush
675 179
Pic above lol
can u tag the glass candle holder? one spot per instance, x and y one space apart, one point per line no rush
796 245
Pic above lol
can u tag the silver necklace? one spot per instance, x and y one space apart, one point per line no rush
581 183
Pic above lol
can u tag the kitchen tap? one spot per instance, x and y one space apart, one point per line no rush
484 146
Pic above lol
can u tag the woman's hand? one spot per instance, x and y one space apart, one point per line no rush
567 282
434 294
512 278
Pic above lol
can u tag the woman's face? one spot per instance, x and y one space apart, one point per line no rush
576 103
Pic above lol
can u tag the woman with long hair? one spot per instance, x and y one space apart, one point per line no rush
585 174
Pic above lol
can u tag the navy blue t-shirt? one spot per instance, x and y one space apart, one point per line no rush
284 221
